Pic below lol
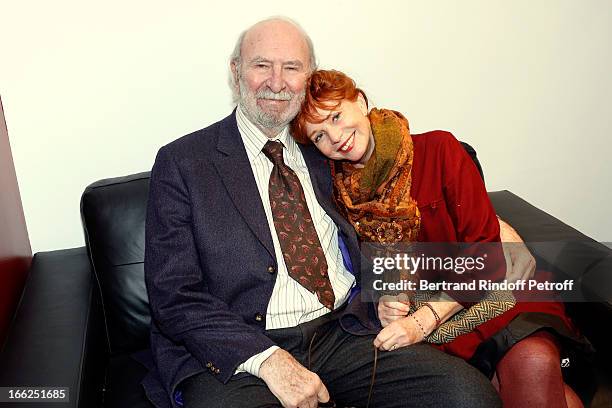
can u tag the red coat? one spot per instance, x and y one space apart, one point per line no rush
455 207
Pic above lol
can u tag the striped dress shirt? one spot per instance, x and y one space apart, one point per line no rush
291 303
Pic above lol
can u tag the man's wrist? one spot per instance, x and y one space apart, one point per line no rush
253 364
271 363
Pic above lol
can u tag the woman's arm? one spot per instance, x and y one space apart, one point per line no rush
392 308
401 329
444 306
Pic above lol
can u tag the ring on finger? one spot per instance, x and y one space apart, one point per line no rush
394 347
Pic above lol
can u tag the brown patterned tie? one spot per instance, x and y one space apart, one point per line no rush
298 238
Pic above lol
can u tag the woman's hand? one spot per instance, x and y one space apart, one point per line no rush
520 264
392 308
400 333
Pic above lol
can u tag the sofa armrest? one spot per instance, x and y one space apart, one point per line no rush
57 337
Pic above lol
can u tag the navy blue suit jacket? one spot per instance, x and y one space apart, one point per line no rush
208 254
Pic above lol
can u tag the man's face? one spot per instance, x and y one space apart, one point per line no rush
272 75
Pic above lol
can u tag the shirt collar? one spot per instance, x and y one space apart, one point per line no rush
254 139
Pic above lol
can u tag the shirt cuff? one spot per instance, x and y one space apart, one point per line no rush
252 365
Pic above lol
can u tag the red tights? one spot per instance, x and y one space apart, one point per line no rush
529 375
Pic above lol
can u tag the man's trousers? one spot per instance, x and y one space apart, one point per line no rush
414 376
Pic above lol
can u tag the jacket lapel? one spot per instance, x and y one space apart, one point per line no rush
234 168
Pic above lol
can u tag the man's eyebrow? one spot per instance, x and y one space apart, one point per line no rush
258 59
296 63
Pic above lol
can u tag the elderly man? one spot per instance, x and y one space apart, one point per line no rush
235 322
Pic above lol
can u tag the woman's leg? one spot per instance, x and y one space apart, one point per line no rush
530 375
573 400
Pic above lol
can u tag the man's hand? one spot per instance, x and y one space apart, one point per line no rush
292 383
392 308
520 264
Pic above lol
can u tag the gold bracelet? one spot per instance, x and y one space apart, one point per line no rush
436 315
420 326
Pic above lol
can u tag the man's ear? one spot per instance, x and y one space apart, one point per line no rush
363 105
235 74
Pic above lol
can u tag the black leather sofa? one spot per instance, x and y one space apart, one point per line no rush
84 311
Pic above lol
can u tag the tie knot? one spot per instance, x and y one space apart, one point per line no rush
274 151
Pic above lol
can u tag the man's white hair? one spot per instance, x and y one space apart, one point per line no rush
236 56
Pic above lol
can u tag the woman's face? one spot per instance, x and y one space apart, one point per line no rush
345 133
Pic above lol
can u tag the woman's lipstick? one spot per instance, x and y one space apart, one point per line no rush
348 145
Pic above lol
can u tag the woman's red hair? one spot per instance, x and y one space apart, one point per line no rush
325 89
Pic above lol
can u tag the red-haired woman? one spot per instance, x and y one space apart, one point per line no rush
427 187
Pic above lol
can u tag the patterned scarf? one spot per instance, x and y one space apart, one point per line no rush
376 198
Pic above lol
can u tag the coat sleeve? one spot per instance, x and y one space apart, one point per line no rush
181 304
472 213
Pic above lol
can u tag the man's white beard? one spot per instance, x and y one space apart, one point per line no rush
273 121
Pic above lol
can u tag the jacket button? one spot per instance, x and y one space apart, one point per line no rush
217 371
271 269
208 365
258 317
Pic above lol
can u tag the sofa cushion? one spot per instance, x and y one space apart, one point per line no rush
597 282
113 213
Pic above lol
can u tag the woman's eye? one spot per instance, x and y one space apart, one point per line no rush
336 117
317 137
